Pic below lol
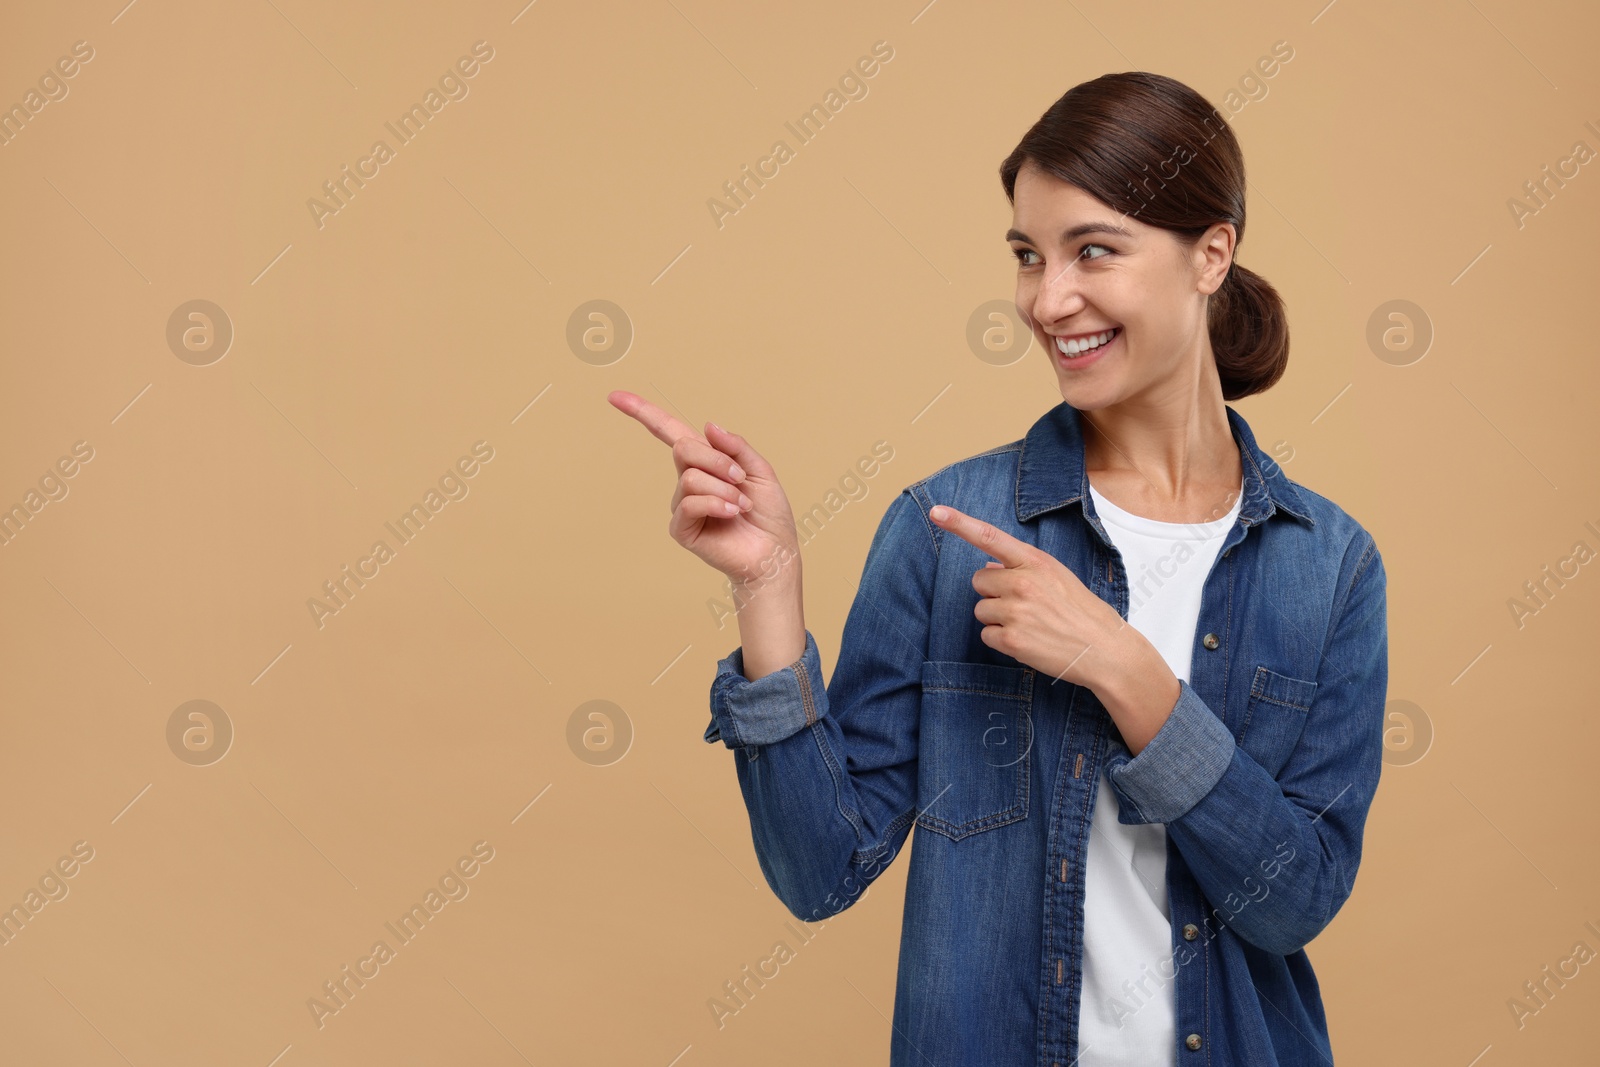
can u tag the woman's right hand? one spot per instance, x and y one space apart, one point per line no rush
751 542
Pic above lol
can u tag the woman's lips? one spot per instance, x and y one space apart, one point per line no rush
1079 362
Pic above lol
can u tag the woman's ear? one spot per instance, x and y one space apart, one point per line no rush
1213 256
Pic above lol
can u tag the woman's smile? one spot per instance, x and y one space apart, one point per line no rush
1076 355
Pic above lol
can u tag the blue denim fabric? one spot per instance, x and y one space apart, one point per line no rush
1263 773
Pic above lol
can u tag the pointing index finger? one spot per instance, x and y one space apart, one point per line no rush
982 535
662 423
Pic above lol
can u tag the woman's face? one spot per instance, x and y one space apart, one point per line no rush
1084 268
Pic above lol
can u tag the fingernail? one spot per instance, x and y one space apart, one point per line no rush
939 513
744 503
736 472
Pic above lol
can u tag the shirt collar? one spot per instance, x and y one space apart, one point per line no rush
1051 474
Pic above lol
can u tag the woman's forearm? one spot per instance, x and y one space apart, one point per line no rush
772 622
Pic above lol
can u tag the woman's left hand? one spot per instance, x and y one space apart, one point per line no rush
1034 609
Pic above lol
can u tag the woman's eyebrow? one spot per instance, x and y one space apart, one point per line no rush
1072 232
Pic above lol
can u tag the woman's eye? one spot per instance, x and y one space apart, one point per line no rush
1022 254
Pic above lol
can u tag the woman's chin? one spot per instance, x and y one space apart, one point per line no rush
1085 396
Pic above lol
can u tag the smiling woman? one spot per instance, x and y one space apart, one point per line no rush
1138 774
1168 202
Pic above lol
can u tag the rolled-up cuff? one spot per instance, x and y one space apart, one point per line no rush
770 708
1181 764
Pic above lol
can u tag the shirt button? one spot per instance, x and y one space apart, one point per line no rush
1210 641
1190 931
1193 1041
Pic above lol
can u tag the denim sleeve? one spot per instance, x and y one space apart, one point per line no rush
829 773
1276 857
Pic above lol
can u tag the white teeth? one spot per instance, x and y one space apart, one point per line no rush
1074 348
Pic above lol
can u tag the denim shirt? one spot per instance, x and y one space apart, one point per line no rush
1262 773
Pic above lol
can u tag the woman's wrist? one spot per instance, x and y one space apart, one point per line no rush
772 624
1136 686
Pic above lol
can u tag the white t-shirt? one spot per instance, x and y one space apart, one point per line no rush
1126 1014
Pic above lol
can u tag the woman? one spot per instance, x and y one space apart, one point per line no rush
1125 677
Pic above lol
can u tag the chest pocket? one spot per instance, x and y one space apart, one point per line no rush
1274 718
975 746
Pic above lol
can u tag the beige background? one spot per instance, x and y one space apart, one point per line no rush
431 312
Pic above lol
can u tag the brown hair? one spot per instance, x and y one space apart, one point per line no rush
1156 150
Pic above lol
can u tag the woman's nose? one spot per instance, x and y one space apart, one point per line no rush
1059 294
